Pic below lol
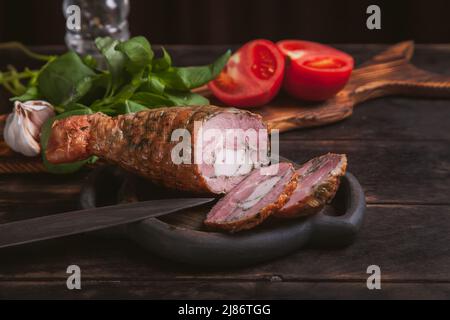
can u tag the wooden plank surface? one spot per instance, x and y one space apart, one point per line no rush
390 171
391 119
399 150
204 290
395 237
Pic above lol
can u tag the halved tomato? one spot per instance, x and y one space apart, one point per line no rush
314 71
252 77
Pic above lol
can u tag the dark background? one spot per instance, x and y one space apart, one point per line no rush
36 22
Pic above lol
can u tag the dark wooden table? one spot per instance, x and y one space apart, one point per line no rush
398 148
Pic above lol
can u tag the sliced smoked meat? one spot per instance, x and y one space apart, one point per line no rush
143 143
318 182
252 201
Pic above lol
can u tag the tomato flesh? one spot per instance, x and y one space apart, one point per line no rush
226 83
265 63
325 63
252 77
315 72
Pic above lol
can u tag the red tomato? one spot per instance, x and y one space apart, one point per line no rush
315 72
252 77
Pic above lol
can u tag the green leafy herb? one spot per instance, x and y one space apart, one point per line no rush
163 63
186 98
130 107
77 107
153 84
115 61
188 78
133 75
152 100
90 61
138 52
31 93
65 80
11 80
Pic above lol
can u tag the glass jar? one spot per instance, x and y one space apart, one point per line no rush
98 18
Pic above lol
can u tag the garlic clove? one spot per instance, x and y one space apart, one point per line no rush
23 126
10 131
38 111
30 145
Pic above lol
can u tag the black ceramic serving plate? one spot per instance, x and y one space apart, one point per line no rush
182 237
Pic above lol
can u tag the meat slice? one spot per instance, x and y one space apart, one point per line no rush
143 143
318 182
261 194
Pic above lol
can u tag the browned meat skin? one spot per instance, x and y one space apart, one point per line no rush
139 142
69 140
310 197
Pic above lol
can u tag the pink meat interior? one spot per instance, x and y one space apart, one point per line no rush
233 206
223 178
311 174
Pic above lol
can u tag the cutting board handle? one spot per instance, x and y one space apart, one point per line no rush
392 73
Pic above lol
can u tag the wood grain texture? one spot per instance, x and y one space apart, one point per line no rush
221 290
398 149
408 242
390 171
114 267
392 118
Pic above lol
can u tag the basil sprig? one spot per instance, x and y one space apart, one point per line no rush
133 80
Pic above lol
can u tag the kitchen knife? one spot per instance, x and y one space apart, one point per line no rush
75 222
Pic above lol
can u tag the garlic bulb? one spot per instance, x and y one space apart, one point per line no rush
23 126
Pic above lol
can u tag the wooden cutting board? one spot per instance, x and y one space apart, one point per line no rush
389 73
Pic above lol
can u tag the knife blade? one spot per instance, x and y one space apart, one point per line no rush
81 221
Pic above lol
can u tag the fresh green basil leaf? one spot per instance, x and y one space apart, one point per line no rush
128 90
90 61
115 60
32 93
125 93
45 135
184 79
152 100
153 84
138 52
163 63
98 91
134 107
130 107
77 106
186 98
65 79
123 107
